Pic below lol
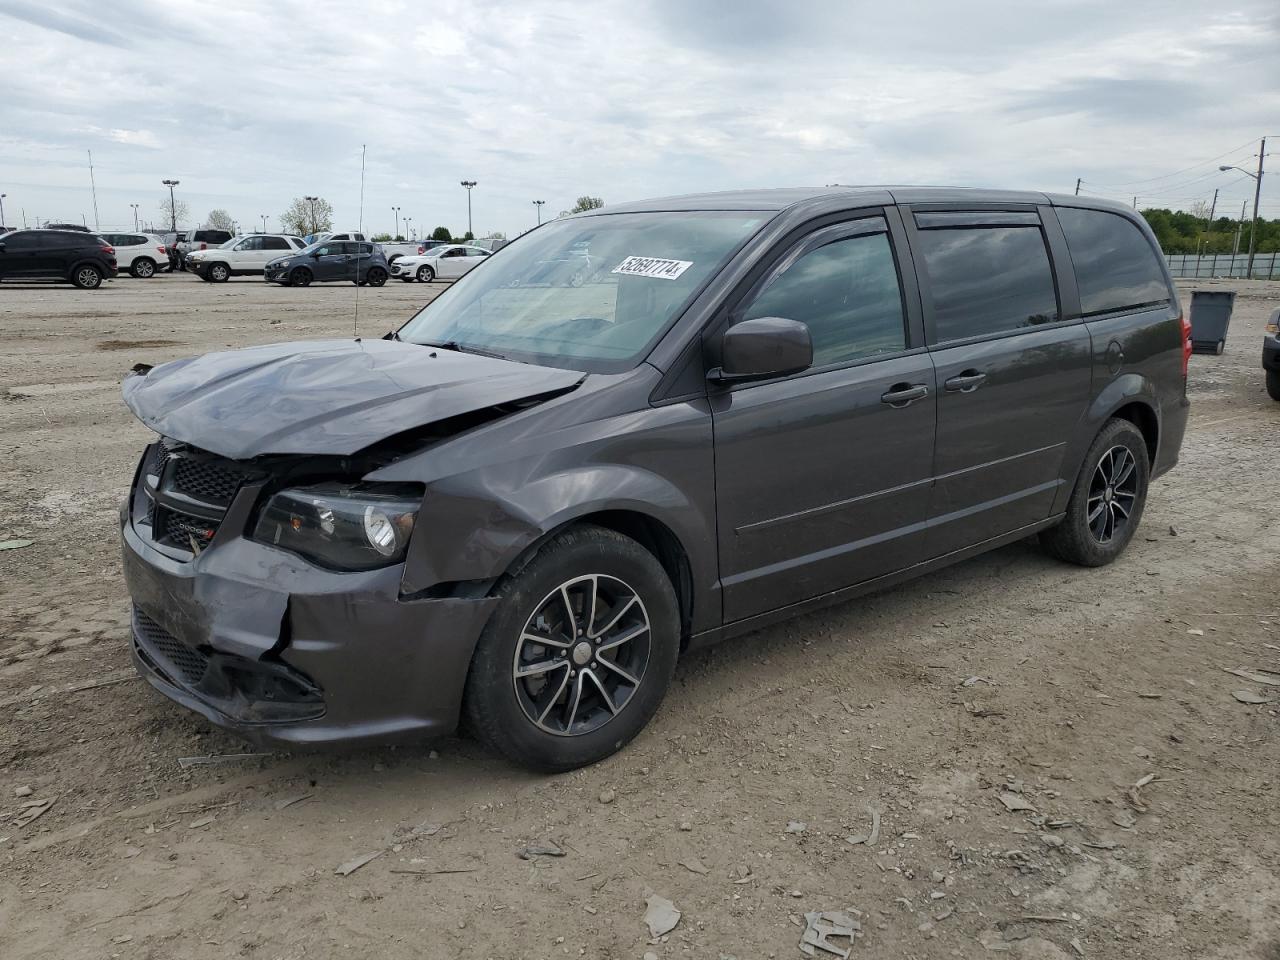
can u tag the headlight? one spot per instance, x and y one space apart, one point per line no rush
342 526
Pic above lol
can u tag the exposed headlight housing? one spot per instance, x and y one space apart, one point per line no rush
342 526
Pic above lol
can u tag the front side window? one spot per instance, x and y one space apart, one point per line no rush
847 293
1116 268
988 279
19 241
587 293
250 243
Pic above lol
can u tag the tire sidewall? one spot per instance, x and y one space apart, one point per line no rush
1115 433
75 277
493 708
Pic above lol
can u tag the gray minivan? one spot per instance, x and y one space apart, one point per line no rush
523 505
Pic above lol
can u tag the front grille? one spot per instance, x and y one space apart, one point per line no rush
187 493
205 480
169 653
181 528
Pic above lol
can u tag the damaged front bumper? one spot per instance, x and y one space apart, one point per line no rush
261 642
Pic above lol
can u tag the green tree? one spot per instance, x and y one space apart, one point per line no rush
1180 231
583 204
219 219
441 233
305 217
468 237
382 237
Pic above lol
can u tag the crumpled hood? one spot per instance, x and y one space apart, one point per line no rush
324 397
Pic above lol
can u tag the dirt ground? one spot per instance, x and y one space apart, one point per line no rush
1011 680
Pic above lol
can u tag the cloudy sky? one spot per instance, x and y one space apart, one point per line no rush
252 104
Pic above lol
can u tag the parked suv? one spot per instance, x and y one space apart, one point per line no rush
141 254
190 241
241 255
330 260
71 255
526 503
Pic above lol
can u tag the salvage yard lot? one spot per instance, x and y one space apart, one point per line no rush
1011 681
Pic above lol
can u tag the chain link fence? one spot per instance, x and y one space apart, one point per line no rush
1266 266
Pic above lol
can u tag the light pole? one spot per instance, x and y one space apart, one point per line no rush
135 215
264 222
2 196
469 184
1257 195
537 204
173 210
396 211
311 202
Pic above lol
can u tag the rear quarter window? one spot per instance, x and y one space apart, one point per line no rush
1116 267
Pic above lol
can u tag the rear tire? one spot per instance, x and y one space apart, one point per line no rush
426 274
1273 384
1107 501
143 268
558 718
376 277
87 277
300 277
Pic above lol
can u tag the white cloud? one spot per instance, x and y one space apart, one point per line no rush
550 100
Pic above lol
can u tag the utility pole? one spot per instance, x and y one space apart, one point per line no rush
407 232
469 184
173 210
2 196
1135 203
1239 227
1257 195
1077 186
135 215
94 188
537 205
396 210
311 203
264 222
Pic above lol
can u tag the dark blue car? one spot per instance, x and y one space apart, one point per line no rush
330 260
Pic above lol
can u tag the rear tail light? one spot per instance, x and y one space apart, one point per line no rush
421 249
204 246
161 249
107 249
1186 343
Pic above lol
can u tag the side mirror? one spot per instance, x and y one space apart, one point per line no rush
315 254
762 348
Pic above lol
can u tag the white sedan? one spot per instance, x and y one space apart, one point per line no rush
442 263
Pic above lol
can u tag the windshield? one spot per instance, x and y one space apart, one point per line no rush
229 243
591 293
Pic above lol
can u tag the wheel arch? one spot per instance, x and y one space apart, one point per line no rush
1143 416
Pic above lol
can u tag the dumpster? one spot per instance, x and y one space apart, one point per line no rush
1210 316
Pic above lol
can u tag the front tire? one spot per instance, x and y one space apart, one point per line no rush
578 654
219 272
1273 384
87 277
143 268
1107 501
426 274
300 277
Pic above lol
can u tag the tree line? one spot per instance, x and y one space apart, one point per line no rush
1183 231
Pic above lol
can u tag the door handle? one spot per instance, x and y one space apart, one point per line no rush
966 382
904 394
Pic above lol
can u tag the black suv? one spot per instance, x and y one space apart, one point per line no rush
524 505
71 255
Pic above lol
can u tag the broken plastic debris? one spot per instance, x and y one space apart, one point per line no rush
210 759
821 926
661 916
1248 696
694 865
15 544
1271 681
32 809
797 826
351 866
1014 802
532 852
872 838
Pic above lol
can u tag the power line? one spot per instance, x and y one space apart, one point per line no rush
1166 176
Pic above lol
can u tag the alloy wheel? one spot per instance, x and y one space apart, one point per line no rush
88 277
582 655
426 274
144 269
1113 492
